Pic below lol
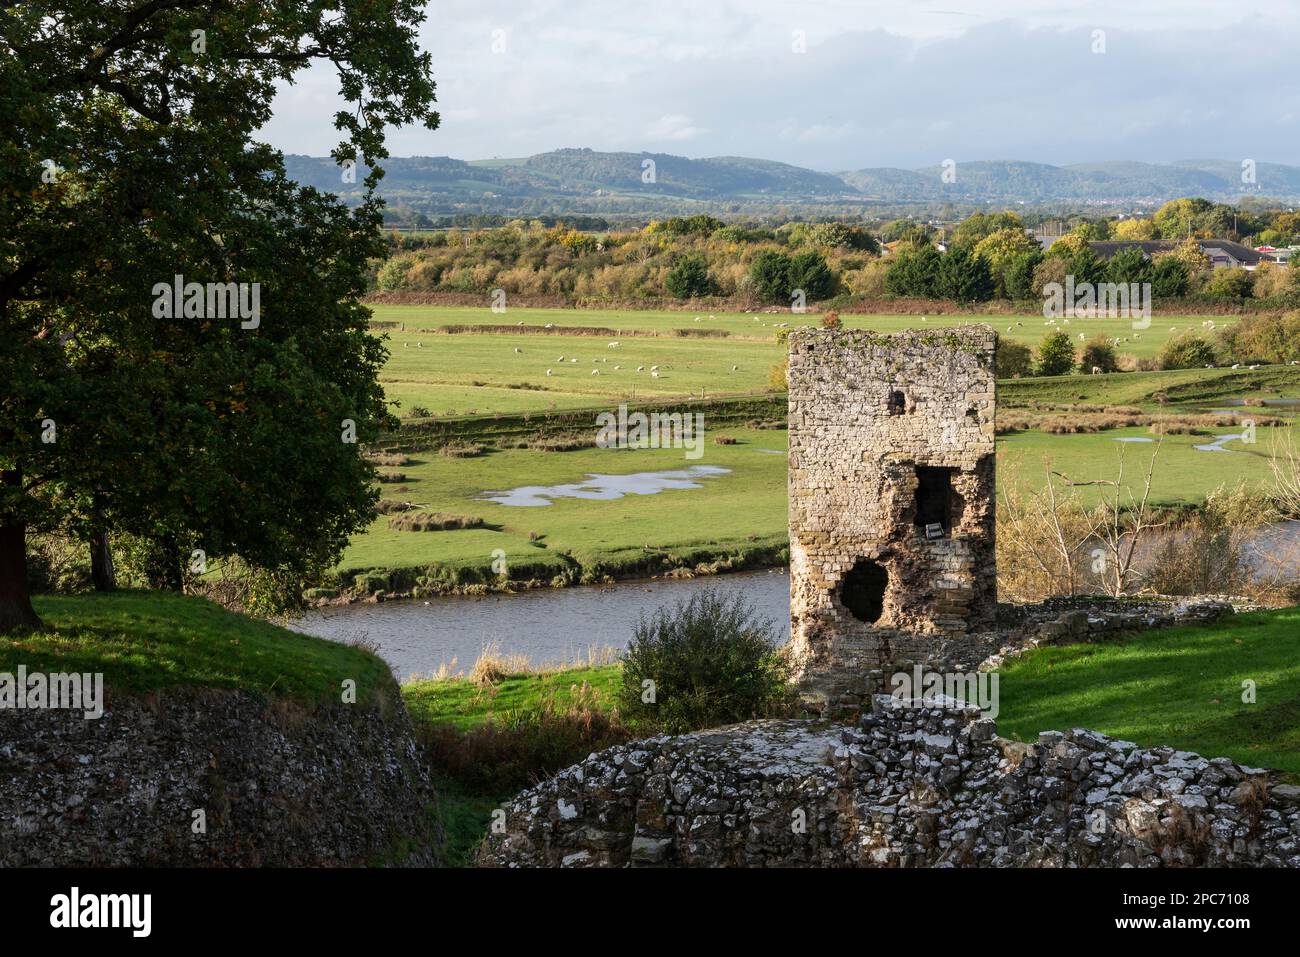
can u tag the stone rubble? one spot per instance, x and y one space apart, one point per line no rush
919 785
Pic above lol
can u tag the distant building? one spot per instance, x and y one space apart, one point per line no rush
1222 253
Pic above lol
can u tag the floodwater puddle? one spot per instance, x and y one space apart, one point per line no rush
1218 443
604 487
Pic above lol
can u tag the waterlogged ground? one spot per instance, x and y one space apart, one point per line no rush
605 487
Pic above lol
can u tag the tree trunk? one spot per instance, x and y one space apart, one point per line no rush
102 573
16 609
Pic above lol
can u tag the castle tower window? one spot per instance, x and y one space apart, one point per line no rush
897 402
863 590
934 500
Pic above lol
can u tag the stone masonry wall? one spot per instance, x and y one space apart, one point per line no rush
916 786
279 787
866 412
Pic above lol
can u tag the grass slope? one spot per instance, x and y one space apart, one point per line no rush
144 641
1180 687
464 705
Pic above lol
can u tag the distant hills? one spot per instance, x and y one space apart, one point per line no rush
584 179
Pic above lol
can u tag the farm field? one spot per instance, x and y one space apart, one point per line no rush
742 508
482 373
472 378
1028 329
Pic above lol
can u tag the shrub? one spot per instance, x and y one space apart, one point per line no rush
465 450
808 271
1098 353
778 375
1188 351
390 477
432 522
1229 284
769 275
831 320
914 272
689 278
1013 359
712 661
1056 355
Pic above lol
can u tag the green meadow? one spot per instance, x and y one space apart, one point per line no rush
482 373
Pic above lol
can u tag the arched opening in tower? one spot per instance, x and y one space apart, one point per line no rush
863 590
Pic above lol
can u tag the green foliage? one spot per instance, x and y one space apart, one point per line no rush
689 278
809 272
1056 355
193 431
1170 278
1264 339
1188 351
964 276
769 274
1229 284
914 272
1129 265
1018 275
710 661
1013 359
1098 353
701 224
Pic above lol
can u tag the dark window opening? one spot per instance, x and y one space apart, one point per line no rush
934 500
897 402
863 590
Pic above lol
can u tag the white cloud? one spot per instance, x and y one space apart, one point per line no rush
881 83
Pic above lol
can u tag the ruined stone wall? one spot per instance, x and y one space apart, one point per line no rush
278 786
913 786
877 424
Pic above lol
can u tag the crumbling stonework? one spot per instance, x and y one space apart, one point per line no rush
910 786
278 786
891 498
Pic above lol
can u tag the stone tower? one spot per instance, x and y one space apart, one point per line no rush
891 500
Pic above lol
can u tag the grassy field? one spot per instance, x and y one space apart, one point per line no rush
482 386
467 374
144 641
1028 329
742 508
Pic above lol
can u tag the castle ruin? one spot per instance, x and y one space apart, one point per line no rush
891 501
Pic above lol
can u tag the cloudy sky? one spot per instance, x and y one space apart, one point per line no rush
847 84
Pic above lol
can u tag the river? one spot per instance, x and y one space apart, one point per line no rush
547 625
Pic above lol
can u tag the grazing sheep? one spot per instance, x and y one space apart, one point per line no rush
616 368
734 368
595 372
640 368
517 349
548 371
654 373
1096 370
612 345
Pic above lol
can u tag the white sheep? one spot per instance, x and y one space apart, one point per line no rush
548 371
517 349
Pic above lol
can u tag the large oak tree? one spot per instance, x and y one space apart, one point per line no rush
129 156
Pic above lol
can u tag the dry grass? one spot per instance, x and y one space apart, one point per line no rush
410 521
